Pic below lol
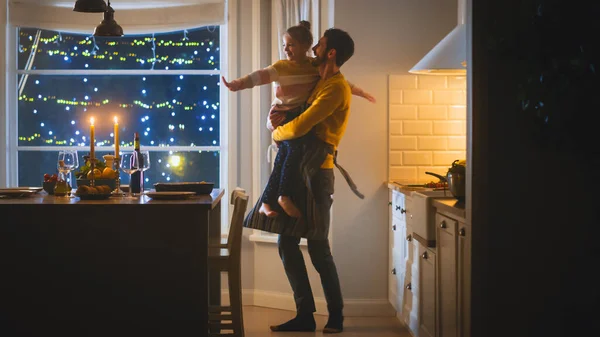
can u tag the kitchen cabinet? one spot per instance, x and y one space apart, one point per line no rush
454 276
404 275
427 292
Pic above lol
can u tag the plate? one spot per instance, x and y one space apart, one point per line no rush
202 187
169 195
16 192
93 196
35 189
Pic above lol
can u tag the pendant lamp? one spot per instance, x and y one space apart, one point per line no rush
90 6
108 26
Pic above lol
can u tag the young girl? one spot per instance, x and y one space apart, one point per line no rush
294 80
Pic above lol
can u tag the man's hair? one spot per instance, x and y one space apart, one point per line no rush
342 43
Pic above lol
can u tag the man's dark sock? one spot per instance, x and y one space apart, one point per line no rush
335 323
302 322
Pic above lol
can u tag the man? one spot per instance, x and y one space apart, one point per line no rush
328 115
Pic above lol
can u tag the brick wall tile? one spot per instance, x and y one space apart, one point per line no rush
447 157
457 143
432 143
403 143
395 96
458 112
403 82
417 127
403 112
417 158
395 158
417 96
405 174
430 112
454 128
457 82
456 97
432 82
395 128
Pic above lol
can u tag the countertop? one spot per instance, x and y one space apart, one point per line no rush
404 189
452 206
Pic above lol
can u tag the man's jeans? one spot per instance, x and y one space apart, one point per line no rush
295 268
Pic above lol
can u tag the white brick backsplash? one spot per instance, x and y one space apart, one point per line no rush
457 112
450 97
403 112
395 96
404 174
432 143
447 157
457 143
457 82
454 128
395 157
417 158
427 125
403 143
432 82
417 127
403 82
417 97
422 177
433 112
395 127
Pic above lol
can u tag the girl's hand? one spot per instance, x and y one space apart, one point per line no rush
369 97
234 85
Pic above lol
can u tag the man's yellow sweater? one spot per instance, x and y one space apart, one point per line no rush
328 113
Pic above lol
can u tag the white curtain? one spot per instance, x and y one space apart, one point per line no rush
155 17
287 13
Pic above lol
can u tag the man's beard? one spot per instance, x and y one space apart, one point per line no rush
317 61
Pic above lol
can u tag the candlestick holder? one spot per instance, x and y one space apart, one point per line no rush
92 168
117 192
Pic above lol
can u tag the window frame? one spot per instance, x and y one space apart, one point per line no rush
11 112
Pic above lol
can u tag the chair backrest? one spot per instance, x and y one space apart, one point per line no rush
239 200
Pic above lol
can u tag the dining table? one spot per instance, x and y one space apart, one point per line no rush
123 266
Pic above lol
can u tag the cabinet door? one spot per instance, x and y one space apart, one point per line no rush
464 280
427 293
447 271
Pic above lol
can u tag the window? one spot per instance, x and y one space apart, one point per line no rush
164 86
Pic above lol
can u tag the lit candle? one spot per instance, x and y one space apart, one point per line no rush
92 139
116 138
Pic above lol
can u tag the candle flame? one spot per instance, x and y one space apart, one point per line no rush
92 120
116 120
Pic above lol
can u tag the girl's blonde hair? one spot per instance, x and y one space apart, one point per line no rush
301 33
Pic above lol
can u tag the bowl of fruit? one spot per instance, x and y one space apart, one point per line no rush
103 175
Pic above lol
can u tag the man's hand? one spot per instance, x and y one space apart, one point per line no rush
275 119
234 85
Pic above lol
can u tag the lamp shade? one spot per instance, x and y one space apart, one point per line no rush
448 57
108 26
90 6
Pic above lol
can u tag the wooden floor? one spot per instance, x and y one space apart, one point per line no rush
257 321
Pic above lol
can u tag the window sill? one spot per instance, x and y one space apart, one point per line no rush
262 238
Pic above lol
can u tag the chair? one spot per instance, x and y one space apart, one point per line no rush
225 257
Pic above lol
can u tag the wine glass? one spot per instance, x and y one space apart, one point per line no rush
145 161
68 161
129 165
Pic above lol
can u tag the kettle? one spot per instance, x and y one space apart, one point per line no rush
456 179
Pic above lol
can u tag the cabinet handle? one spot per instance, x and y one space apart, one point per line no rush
443 224
409 286
397 207
409 238
390 203
394 271
402 211
425 256
461 232
394 227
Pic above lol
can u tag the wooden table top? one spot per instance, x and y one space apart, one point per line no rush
42 198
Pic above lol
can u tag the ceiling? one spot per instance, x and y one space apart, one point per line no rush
123 4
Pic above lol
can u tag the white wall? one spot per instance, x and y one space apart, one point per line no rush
390 37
